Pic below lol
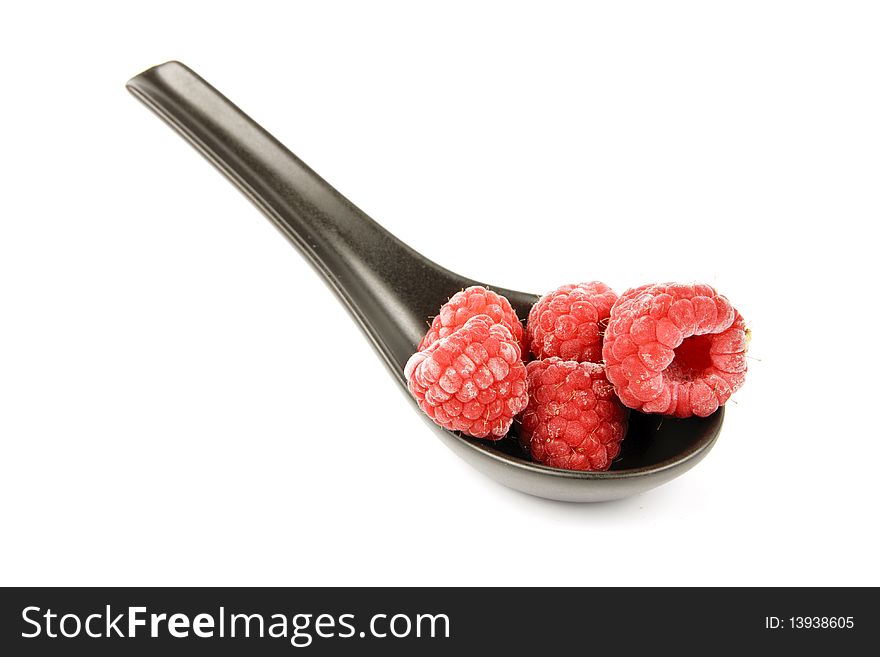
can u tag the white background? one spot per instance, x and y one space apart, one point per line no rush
182 401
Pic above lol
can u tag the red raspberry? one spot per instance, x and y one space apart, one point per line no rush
472 380
469 303
569 322
675 349
573 420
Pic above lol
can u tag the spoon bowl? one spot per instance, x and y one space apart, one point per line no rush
391 290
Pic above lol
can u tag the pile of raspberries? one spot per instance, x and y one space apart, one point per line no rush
671 349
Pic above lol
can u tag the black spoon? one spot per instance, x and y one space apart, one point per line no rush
391 290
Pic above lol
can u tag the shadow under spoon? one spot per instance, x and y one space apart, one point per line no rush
391 290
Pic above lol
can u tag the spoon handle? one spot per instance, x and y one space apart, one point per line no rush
389 288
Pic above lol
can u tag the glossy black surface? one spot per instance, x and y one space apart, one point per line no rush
391 290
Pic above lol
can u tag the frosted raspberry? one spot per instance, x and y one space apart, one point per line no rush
573 419
469 303
675 349
569 322
473 380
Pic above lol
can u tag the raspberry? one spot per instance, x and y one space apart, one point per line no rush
469 303
473 380
569 322
573 420
675 349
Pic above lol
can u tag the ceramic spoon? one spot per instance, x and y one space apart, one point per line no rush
391 290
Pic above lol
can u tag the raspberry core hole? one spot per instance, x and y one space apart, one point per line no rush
692 358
